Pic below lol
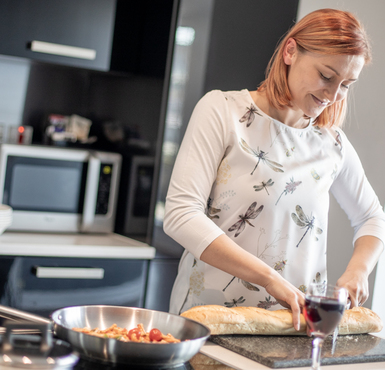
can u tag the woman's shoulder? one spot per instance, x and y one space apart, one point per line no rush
230 96
334 133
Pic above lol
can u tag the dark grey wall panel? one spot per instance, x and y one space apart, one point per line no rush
243 38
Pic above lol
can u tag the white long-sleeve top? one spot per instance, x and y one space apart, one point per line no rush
266 185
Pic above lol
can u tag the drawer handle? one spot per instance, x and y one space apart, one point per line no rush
63 50
69 272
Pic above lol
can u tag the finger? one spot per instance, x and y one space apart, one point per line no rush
355 302
296 311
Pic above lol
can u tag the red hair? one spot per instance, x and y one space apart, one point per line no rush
324 31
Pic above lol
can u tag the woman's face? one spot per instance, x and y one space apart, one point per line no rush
317 80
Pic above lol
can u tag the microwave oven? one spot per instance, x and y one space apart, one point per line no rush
53 189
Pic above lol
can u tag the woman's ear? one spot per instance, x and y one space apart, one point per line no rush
289 51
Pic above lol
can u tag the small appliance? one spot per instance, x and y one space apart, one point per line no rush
54 189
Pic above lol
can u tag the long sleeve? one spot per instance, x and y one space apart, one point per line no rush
357 198
194 173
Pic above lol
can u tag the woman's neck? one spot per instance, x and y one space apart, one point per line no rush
288 116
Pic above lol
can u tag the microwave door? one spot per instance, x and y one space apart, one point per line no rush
91 192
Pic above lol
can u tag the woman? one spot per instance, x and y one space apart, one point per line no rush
249 194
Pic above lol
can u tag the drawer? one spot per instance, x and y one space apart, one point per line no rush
41 285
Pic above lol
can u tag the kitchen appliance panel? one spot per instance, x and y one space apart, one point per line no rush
139 195
41 285
295 351
59 189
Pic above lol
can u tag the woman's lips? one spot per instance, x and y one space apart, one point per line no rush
320 102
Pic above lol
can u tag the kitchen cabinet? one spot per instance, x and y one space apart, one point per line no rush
41 285
72 32
141 36
41 272
106 35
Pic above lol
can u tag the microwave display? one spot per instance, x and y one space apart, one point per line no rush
38 184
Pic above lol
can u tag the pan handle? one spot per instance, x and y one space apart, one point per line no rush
18 315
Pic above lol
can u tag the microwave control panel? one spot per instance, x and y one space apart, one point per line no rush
106 171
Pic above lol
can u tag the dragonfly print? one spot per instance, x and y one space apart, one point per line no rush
267 303
262 156
212 211
318 278
338 140
317 130
246 284
249 116
250 214
264 185
280 265
289 188
304 222
235 302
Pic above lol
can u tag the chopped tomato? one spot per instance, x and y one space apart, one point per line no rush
155 335
134 334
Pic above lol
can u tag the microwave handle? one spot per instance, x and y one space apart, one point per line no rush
91 193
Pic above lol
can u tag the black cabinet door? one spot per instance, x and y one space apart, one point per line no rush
41 285
70 32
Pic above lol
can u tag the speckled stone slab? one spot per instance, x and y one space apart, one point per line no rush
293 351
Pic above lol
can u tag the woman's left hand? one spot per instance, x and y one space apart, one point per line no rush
367 250
357 285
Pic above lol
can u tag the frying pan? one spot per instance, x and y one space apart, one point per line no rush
191 333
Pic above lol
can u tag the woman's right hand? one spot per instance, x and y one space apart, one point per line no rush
225 254
287 295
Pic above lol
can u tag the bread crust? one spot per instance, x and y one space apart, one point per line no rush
258 321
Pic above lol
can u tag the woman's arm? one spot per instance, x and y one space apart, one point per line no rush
367 250
224 254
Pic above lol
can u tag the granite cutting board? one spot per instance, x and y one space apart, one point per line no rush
295 351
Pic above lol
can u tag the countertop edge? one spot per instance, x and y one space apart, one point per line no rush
74 246
66 251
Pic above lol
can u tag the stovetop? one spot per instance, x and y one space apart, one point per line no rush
31 342
85 364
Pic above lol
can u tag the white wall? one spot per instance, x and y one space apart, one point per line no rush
365 128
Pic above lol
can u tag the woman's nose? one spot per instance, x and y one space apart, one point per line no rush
334 93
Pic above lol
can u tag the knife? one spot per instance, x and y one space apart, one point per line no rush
335 333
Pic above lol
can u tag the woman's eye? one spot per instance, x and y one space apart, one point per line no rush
345 86
325 78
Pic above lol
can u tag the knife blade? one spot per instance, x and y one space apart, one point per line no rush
335 333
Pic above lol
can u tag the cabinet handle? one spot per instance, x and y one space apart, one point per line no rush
64 50
68 272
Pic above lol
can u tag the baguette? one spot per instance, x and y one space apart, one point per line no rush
258 321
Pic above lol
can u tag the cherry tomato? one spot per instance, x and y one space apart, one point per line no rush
134 334
155 335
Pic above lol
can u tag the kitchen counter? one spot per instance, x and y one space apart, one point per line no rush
236 361
73 245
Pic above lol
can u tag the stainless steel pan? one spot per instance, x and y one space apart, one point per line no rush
192 334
